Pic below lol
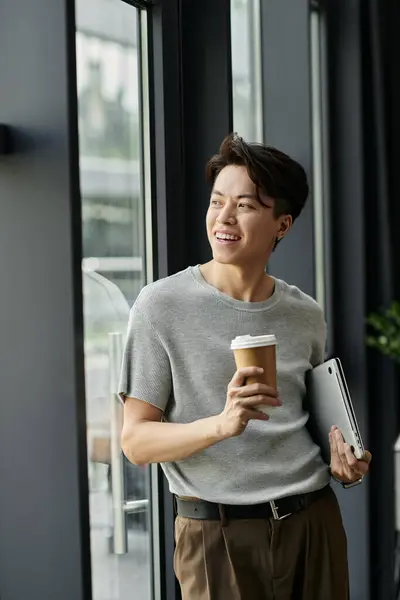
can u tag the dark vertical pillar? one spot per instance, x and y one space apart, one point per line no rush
169 197
44 534
348 253
168 207
390 18
380 210
193 113
287 122
207 109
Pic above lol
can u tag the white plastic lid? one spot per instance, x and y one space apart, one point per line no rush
252 341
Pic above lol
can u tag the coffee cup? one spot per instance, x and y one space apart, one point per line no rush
257 351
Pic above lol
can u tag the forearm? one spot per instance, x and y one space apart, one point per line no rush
152 442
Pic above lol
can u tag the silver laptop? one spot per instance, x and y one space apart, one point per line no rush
328 402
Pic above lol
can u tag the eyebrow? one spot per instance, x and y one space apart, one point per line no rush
240 197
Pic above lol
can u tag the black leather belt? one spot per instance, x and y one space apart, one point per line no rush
276 509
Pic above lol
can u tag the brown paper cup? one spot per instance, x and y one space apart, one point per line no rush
257 351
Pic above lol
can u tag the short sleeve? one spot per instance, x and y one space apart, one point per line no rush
319 341
146 370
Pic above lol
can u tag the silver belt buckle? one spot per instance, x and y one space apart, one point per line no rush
275 512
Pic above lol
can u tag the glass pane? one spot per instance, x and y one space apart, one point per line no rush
114 271
321 202
246 69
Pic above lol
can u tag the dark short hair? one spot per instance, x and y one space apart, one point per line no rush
273 172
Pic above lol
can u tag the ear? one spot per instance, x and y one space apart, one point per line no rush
286 223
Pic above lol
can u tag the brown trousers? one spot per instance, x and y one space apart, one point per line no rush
302 557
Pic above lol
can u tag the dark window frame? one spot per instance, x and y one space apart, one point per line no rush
141 4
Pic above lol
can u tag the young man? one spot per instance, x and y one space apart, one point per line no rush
234 471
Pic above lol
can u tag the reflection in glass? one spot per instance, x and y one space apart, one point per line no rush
109 137
114 271
246 69
320 183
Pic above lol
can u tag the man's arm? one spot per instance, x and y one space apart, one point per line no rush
145 439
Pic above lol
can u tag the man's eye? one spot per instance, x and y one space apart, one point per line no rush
215 203
245 205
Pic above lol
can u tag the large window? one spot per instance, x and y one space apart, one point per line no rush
116 223
246 69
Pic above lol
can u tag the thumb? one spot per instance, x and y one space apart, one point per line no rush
367 457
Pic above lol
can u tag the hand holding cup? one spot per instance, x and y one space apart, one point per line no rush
257 351
244 400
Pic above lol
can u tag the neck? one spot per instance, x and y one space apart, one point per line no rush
247 285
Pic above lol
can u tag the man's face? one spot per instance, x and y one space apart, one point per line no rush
240 230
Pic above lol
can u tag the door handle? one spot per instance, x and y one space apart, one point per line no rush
120 506
117 465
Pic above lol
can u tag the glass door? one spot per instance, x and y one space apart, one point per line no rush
116 224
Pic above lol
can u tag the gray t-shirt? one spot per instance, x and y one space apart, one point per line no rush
178 358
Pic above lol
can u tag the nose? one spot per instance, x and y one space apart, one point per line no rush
227 215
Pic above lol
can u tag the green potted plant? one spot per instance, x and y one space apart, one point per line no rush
385 331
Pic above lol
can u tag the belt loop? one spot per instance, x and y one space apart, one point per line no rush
222 515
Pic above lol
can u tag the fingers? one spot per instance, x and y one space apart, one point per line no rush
344 465
346 468
247 414
257 393
334 452
367 457
251 401
254 389
241 375
254 394
352 465
257 415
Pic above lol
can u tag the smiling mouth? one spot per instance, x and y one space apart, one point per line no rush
227 238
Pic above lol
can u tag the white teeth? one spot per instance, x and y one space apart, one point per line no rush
227 236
